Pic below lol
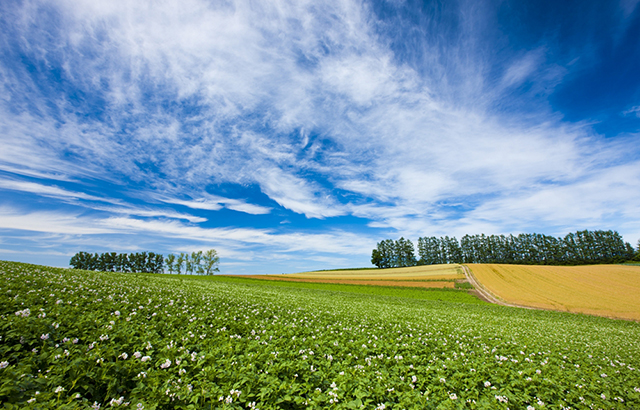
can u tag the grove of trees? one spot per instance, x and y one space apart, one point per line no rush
201 263
393 254
194 263
582 247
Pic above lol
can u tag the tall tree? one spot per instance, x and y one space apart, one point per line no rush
384 257
170 261
122 263
210 262
158 263
180 261
81 260
196 260
188 263
404 253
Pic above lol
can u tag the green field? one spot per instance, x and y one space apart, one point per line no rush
79 339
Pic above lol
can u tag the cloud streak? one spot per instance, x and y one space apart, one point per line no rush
369 119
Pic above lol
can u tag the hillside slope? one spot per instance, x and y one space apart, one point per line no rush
603 290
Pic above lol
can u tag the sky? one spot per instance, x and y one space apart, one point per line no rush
295 135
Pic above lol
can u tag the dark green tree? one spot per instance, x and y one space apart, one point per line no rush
383 257
404 253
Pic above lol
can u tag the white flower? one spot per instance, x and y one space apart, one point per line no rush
487 384
442 380
137 355
31 400
59 389
145 358
166 364
45 337
23 313
124 356
453 396
531 408
502 399
4 364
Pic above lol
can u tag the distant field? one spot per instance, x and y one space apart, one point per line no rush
433 276
604 290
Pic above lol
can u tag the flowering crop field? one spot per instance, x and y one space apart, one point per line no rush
81 340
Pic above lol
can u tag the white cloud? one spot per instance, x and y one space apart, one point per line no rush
215 203
46 190
75 197
522 68
58 222
50 222
633 111
628 7
298 195
302 99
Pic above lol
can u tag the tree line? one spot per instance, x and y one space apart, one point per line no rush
202 263
579 248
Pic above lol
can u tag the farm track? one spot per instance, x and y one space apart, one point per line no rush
484 294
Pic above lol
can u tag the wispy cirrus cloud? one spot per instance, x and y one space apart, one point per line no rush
215 203
406 121
60 222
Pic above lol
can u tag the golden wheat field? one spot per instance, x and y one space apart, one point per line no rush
432 276
603 290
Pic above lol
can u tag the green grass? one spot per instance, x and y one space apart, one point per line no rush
441 294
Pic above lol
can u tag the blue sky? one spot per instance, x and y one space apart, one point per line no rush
296 135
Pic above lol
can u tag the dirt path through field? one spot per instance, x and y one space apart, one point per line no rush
483 293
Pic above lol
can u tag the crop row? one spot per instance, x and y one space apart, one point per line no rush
79 339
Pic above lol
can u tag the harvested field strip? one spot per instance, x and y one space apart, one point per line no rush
413 272
378 282
603 290
452 276
446 278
